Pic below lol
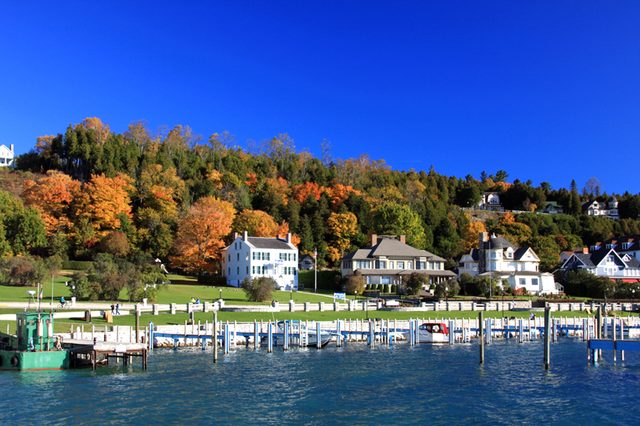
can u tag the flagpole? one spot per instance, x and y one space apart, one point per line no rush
315 270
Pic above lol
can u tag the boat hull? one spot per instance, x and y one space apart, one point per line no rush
34 361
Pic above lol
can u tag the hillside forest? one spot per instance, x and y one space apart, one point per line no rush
89 192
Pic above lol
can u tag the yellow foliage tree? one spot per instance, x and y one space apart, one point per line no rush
342 228
256 222
104 200
471 234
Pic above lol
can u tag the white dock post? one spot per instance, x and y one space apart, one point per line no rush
270 334
481 336
416 329
621 337
547 340
318 335
306 333
613 326
585 329
256 339
214 336
339 337
520 331
452 332
285 336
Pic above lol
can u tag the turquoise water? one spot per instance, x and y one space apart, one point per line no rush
400 385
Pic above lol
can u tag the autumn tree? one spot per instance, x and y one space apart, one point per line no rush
342 227
471 234
52 195
199 240
256 222
104 201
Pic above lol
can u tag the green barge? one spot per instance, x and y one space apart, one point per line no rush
34 346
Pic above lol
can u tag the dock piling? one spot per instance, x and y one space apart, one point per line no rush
481 335
547 337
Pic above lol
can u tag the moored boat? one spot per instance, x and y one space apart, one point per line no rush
431 332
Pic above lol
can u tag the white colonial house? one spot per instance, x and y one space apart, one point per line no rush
253 257
7 155
496 257
389 259
605 262
607 209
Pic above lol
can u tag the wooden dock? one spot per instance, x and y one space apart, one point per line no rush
94 353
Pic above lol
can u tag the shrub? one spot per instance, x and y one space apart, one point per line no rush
354 284
394 288
259 289
416 282
22 271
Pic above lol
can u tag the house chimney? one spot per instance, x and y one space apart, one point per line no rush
483 237
403 239
245 236
11 148
585 250
235 236
374 239
289 237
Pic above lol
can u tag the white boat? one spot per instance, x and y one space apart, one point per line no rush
297 327
431 332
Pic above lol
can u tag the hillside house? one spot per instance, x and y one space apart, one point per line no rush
252 257
389 260
7 155
518 266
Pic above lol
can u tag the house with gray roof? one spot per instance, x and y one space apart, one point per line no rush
496 257
253 257
605 262
390 260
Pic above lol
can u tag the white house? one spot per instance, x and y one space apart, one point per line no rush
388 259
605 262
519 266
253 257
7 155
490 201
306 263
596 208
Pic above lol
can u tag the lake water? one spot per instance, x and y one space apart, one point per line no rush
355 384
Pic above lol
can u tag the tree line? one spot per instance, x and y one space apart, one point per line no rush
133 195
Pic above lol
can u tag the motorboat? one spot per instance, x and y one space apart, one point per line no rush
431 332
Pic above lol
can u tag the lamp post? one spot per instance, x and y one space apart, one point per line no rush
220 298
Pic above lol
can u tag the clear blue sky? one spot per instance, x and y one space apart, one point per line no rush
547 90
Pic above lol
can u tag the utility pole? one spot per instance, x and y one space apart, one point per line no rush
315 270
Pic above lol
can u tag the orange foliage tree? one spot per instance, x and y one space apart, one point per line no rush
283 230
52 196
199 239
104 201
305 190
339 193
256 222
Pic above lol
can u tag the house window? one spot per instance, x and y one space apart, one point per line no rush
264 269
294 257
400 264
409 265
238 257
534 281
229 271
238 270
381 264
522 281
229 257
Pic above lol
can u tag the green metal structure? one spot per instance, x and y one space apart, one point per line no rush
34 346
